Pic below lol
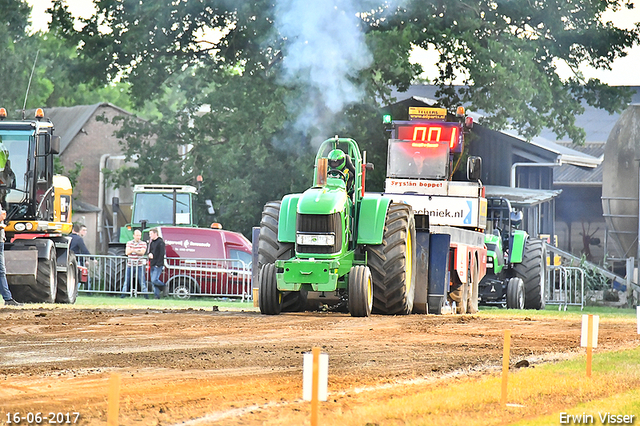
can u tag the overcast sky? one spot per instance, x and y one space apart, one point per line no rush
624 72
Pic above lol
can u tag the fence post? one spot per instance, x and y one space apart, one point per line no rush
630 276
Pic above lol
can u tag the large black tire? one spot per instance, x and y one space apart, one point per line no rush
360 291
115 269
515 293
68 282
435 304
533 271
46 279
270 250
461 292
393 263
458 295
269 299
472 308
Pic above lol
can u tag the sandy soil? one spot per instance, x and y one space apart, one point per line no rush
231 367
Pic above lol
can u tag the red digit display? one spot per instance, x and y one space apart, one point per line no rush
424 132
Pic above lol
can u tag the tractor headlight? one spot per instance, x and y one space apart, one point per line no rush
315 239
489 259
19 227
29 226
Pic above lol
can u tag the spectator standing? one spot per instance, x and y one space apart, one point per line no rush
156 261
78 246
136 262
4 286
77 242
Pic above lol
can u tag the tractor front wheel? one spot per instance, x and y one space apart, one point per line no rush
270 299
515 293
68 281
533 271
270 250
360 291
46 279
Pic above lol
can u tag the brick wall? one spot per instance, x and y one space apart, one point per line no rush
88 146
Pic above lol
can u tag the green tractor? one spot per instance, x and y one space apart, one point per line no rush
516 262
335 240
153 205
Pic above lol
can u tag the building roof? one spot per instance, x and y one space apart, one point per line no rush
83 207
580 176
69 121
597 123
563 154
566 154
522 197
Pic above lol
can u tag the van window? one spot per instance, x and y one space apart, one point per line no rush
240 255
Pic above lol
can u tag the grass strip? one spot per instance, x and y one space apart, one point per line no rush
553 312
536 396
166 303
627 403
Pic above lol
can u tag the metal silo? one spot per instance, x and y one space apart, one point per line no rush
620 185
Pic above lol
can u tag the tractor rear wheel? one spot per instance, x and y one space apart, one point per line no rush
68 281
515 293
393 263
115 269
270 250
360 291
533 271
270 299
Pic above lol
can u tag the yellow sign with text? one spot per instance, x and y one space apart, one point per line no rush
427 113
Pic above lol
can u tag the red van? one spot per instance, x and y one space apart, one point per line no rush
208 262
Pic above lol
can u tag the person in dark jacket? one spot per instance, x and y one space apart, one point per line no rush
156 261
77 242
78 246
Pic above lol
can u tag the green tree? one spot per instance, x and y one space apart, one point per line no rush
72 174
47 65
18 52
277 78
508 51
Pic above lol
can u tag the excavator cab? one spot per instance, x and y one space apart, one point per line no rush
40 266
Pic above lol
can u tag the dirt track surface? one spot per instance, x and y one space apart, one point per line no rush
208 367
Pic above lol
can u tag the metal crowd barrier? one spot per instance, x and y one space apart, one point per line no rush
565 286
183 278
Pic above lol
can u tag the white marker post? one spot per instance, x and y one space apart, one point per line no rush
589 337
315 376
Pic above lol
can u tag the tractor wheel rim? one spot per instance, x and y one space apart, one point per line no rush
369 293
182 293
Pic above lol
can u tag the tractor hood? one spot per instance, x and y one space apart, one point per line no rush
493 242
323 200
